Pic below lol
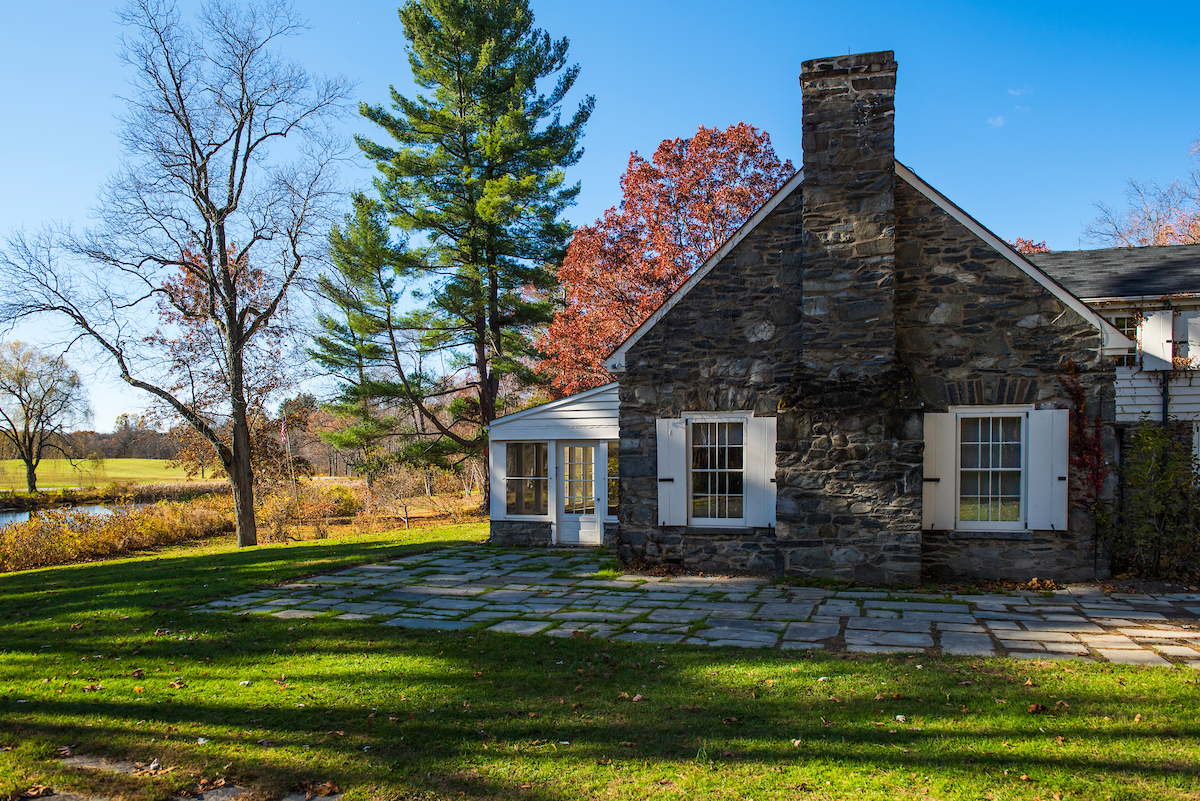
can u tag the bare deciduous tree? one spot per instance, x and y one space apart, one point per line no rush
1154 215
229 168
40 399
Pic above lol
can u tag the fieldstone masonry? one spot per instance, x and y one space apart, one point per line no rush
856 306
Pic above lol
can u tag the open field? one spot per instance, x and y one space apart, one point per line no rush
108 658
61 473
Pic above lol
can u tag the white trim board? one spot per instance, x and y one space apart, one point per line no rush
616 360
1113 339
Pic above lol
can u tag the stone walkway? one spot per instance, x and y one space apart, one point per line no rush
557 593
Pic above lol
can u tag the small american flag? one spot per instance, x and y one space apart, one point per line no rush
283 431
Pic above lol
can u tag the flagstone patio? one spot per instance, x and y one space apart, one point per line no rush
558 593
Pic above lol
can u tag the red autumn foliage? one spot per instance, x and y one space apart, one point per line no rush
677 209
1029 246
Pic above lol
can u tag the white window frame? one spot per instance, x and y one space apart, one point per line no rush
720 522
673 444
1044 464
602 460
552 494
969 412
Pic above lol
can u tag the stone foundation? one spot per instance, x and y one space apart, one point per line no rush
1016 556
536 534
519 533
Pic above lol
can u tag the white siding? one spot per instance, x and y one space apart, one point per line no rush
588 415
1139 394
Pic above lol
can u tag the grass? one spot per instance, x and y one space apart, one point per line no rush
107 658
62 473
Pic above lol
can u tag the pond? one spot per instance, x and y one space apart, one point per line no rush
14 516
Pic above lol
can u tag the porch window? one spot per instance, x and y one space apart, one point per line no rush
718 483
527 479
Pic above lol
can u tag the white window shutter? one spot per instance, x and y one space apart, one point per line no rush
940 487
1156 339
760 472
1192 322
672 471
1048 469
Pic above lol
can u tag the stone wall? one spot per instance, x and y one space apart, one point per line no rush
730 345
973 329
519 533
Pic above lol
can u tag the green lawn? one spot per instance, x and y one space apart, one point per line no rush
61 473
106 657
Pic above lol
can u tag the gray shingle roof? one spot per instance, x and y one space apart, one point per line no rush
1124 272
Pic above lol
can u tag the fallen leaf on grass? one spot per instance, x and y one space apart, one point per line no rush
731 721
37 791
638 697
137 674
627 744
1029 683
161 632
322 789
603 761
91 688
965 683
1136 718
66 751
796 743
1061 705
177 684
264 743
1036 708
138 689
1024 777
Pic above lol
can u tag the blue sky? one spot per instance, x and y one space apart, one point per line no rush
1025 114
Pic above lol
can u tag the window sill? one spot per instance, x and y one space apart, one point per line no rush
990 535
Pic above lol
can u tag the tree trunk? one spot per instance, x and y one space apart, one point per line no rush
31 475
241 468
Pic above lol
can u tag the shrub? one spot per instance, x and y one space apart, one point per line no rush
1157 534
59 536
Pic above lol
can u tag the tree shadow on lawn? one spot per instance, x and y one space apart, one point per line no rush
365 705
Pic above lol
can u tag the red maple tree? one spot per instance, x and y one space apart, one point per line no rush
1029 246
677 209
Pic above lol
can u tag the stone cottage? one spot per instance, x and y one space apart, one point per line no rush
862 383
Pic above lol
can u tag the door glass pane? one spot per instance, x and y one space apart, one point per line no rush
579 486
614 485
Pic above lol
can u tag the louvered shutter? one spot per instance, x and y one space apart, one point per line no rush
1192 324
672 471
1156 339
938 507
760 472
1048 469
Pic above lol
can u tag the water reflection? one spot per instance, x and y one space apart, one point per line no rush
9 517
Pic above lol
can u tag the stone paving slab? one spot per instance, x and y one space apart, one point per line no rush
557 593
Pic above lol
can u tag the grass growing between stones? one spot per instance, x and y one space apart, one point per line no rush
108 659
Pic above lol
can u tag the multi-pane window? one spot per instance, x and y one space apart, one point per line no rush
528 478
1128 326
989 480
614 485
718 465
579 480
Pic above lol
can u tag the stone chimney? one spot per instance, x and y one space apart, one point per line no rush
849 215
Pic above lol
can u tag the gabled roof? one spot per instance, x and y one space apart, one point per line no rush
1116 273
1112 338
577 399
616 360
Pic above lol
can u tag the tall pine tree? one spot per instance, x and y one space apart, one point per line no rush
476 175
